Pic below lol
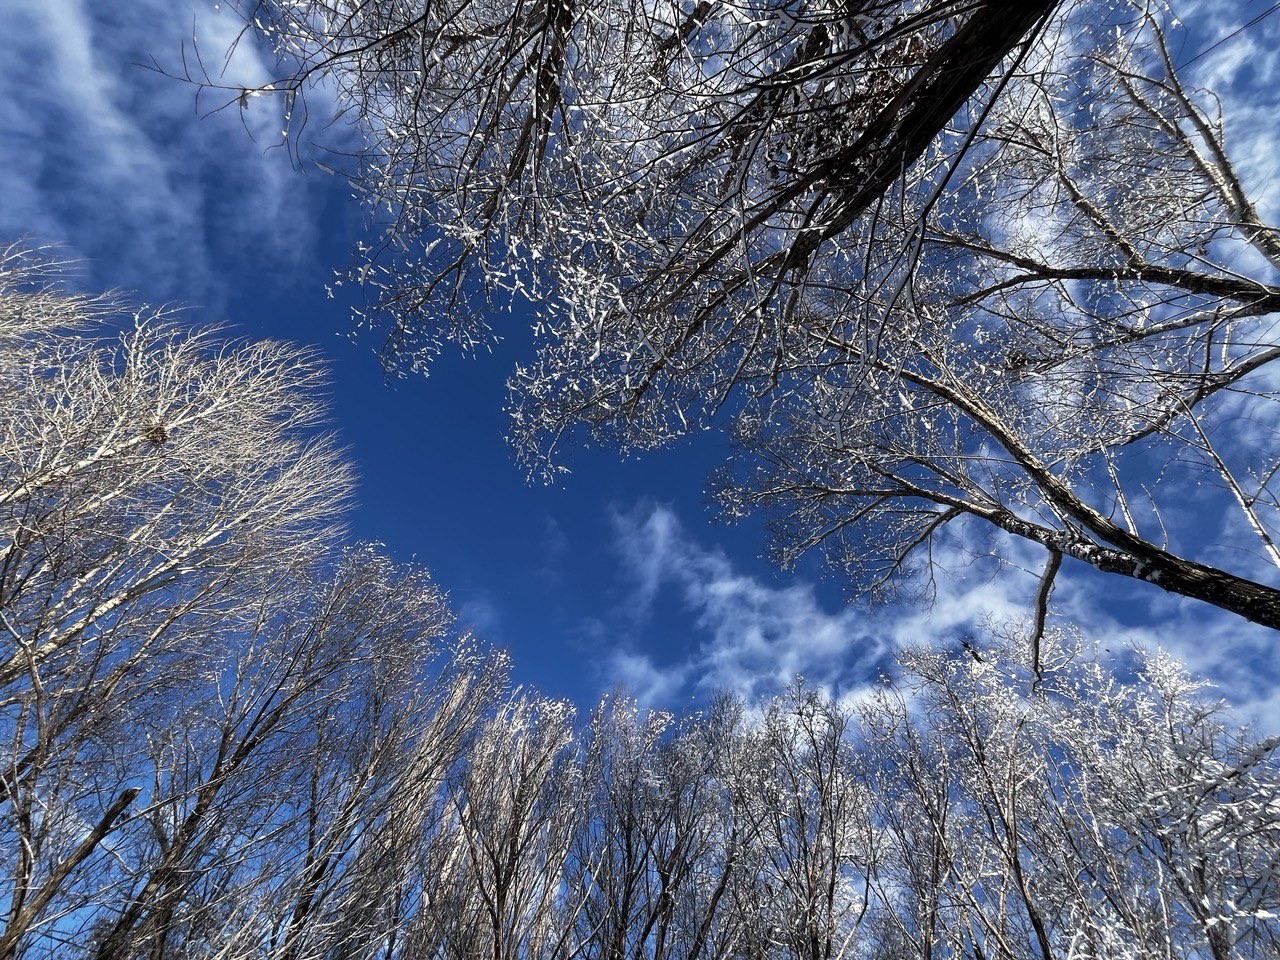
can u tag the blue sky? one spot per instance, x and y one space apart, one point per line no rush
617 576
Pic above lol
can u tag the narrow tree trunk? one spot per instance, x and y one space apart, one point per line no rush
50 888
903 130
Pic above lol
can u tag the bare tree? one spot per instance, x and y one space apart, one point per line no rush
1167 806
512 809
615 867
1094 817
222 737
811 843
286 801
149 483
653 864
1067 362
931 261
686 161
953 812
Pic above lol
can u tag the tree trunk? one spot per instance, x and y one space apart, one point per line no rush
908 124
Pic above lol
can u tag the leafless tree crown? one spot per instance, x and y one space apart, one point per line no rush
929 261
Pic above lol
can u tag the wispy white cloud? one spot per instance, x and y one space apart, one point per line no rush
751 637
649 683
111 159
480 613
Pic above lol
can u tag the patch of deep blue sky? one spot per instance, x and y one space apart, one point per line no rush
618 575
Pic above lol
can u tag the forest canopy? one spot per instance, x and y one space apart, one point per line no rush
228 735
931 264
